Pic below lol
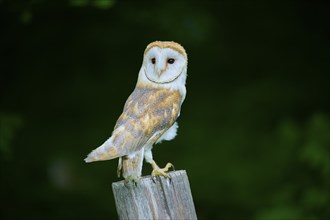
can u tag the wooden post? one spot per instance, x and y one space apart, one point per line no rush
155 198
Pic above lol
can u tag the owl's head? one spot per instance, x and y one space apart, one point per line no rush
164 62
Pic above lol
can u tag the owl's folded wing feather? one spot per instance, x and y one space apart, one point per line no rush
148 113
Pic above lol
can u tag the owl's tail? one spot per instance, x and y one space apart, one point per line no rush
106 151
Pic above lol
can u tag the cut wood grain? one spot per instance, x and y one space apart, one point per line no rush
155 198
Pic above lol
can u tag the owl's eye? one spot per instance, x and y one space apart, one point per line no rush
153 60
171 61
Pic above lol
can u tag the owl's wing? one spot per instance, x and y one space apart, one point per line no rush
148 113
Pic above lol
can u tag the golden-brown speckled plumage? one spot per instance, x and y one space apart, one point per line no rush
167 44
147 111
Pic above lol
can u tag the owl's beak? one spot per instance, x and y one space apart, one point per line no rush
160 72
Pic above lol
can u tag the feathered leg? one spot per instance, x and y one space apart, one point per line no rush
132 166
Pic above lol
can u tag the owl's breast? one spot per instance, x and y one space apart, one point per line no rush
150 109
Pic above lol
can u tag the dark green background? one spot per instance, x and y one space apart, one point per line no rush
254 128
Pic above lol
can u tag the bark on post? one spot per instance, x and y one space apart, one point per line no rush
155 198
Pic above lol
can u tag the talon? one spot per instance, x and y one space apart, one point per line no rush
153 179
160 172
132 179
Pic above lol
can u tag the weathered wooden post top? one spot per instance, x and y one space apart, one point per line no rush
155 198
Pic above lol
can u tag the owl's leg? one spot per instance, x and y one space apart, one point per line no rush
120 166
156 170
132 166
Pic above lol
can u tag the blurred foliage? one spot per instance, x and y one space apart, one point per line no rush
8 128
304 197
254 131
102 4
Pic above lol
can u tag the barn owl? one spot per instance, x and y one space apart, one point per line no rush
150 112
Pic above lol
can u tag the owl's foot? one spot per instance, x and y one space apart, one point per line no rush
132 179
160 172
